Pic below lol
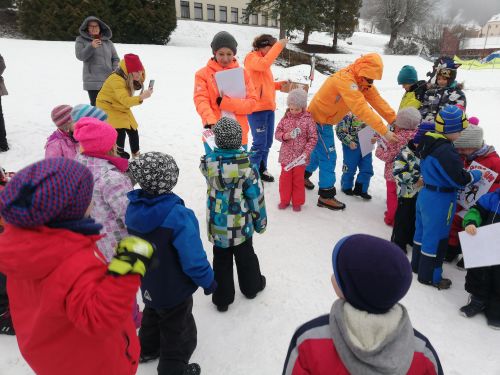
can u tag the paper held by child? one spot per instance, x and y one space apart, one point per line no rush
296 162
469 196
209 137
482 249
365 136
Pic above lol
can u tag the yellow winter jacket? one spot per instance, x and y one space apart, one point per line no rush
347 91
410 100
115 100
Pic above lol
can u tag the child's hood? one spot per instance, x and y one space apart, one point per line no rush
147 212
34 253
224 169
430 141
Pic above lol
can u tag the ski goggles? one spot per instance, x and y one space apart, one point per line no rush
445 72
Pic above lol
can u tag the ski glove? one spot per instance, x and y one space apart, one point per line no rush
133 255
476 175
211 288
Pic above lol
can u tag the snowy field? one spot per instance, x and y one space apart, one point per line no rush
295 252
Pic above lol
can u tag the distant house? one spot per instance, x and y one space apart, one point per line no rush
224 11
492 27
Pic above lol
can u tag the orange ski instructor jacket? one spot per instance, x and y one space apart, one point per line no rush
347 91
206 94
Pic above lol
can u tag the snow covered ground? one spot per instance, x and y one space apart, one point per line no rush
295 251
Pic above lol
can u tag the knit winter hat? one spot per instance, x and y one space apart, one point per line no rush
423 128
408 118
61 115
223 39
51 190
297 98
373 274
85 110
155 172
451 119
473 120
95 136
471 137
133 63
227 134
407 74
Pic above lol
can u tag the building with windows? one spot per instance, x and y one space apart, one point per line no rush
224 11
492 27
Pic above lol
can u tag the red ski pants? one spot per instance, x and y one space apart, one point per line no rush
292 186
392 202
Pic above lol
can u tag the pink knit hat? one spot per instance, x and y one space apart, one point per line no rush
61 115
473 120
95 136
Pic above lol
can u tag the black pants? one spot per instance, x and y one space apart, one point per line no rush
404 222
3 133
93 96
4 300
484 283
133 139
247 266
172 332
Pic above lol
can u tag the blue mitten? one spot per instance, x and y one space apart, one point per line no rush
476 175
211 288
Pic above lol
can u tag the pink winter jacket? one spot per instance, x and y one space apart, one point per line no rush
109 201
60 144
305 141
393 150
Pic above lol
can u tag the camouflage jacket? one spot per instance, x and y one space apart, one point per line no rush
406 171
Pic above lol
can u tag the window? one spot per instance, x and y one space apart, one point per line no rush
222 14
185 9
198 11
254 19
274 22
234 15
211 12
264 19
244 15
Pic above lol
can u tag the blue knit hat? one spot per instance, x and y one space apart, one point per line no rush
51 190
451 119
85 110
407 74
423 128
373 274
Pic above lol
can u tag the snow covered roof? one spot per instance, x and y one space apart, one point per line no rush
495 18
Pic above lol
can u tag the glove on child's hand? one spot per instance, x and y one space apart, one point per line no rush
133 255
476 175
211 288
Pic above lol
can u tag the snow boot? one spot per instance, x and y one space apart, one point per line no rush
222 308
262 286
266 176
474 307
442 284
307 182
282 206
358 191
192 369
297 208
327 199
122 153
6 327
348 192
143 358
451 253
493 323
460 264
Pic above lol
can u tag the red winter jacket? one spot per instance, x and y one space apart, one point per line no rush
392 150
70 316
491 160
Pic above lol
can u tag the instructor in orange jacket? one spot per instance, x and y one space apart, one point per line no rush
207 99
258 64
349 90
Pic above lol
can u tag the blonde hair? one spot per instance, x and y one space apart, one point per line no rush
130 83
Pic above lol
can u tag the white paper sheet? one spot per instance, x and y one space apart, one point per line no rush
209 137
231 83
482 249
365 136
469 196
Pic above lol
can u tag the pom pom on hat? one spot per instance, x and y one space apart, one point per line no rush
223 39
155 172
473 120
408 118
61 115
86 110
95 136
228 134
297 98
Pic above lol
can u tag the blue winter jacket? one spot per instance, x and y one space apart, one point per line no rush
440 163
180 263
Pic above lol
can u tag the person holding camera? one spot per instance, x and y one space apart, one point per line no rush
95 48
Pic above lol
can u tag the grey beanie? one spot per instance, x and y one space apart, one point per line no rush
223 39
408 118
155 172
471 137
297 98
227 134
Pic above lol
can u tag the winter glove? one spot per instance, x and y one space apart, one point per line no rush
133 255
218 100
211 288
476 175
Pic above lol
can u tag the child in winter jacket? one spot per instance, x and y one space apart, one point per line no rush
367 330
471 148
297 132
445 92
409 181
71 310
155 213
61 143
406 124
235 209
347 131
483 283
414 89
443 175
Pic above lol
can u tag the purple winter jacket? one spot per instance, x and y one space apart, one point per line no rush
60 144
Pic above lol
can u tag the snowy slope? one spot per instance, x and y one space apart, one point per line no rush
295 252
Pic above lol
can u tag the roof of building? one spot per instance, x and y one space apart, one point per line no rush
495 18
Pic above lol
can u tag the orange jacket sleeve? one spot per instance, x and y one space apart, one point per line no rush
356 102
201 99
380 105
241 106
254 61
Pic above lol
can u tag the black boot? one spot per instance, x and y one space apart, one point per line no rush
192 369
6 327
307 182
143 358
348 192
451 253
264 173
122 153
474 307
327 199
358 191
